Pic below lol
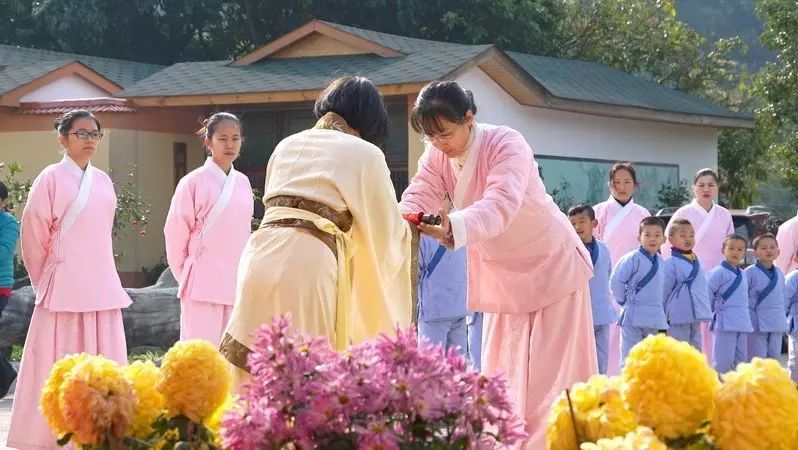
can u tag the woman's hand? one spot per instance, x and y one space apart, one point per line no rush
442 232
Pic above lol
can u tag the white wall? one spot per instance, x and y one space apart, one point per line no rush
65 88
559 133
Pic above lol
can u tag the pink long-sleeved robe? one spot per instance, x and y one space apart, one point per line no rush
618 226
203 248
708 246
68 253
527 268
787 238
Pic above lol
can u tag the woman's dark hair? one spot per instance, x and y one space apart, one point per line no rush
627 166
64 123
210 124
441 100
703 172
358 101
3 191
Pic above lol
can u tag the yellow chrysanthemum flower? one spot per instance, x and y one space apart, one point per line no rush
195 379
641 439
669 386
97 399
49 405
599 412
144 376
757 407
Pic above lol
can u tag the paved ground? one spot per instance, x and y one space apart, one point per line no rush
5 412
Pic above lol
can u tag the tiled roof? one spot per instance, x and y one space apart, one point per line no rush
61 106
592 82
275 75
20 65
424 61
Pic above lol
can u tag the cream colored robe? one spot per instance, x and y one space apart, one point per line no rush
288 270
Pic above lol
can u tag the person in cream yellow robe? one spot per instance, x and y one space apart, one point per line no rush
332 250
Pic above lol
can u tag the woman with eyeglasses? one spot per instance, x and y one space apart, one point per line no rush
66 247
528 271
712 223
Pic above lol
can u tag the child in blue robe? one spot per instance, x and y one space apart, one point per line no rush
685 292
583 218
637 284
731 320
766 300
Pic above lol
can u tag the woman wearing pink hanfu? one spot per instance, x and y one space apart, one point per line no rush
208 224
618 223
528 271
712 223
66 246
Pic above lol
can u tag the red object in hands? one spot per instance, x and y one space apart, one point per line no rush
420 217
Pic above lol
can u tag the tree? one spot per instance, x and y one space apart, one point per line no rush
155 31
778 85
672 195
647 37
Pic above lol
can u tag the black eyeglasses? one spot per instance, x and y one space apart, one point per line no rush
83 134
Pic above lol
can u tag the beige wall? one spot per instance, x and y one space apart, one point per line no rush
415 148
35 150
152 153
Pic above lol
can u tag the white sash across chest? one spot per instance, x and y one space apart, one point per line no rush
221 202
708 218
464 177
616 220
70 216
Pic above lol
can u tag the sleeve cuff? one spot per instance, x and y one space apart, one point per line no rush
458 229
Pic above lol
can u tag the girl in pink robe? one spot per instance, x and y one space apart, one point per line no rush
528 271
787 238
618 221
66 247
712 223
208 224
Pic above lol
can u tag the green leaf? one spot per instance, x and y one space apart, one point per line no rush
64 440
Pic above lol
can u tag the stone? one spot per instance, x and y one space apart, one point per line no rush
152 320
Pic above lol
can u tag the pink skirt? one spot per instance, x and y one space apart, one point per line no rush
51 336
542 354
203 320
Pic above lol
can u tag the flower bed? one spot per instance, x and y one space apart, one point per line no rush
668 397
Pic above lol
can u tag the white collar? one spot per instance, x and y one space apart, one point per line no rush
698 206
461 160
217 171
73 167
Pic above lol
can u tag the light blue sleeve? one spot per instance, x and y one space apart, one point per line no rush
791 291
750 278
619 279
669 278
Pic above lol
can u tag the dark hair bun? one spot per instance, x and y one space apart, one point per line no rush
473 106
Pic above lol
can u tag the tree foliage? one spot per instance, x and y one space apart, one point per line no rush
778 86
645 37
